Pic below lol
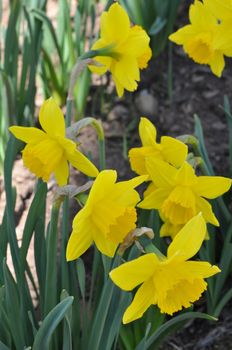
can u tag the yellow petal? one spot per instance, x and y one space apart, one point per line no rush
186 175
203 269
155 199
104 61
126 71
217 63
115 24
32 135
62 172
161 173
173 151
81 236
144 297
200 16
106 246
129 275
82 163
205 207
124 192
138 156
123 226
51 118
102 186
137 42
182 35
212 186
147 132
189 240
220 9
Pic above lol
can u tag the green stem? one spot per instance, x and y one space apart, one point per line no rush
102 153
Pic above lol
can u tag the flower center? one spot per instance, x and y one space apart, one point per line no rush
179 207
200 49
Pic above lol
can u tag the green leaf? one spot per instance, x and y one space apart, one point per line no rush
3 346
166 328
32 217
81 276
50 323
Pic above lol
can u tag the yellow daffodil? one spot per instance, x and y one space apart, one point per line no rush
49 151
169 149
107 217
179 194
172 283
129 49
201 39
222 11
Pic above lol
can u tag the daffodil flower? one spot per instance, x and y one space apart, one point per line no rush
169 149
179 194
49 151
171 282
129 49
107 217
201 39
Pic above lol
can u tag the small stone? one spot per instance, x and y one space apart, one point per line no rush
146 103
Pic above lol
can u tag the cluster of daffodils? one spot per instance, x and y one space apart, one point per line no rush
207 39
109 216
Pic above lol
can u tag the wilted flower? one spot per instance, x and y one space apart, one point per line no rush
169 149
179 194
128 49
170 282
49 151
107 217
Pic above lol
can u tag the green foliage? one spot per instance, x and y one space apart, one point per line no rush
22 45
156 16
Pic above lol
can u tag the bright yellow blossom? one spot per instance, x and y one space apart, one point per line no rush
179 194
172 283
128 46
107 217
169 149
222 11
201 39
49 151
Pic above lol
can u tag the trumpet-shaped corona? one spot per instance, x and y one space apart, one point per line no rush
107 217
203 38
129 49
171 282
179 194
49 151
169 149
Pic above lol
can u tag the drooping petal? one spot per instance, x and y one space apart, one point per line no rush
81 237
106 246
205 207
155 199
51 118
82 163
173 151
132 273
189 240
161 173
144 297
217 63
147 132
28 134
124 192
61 172
212 186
